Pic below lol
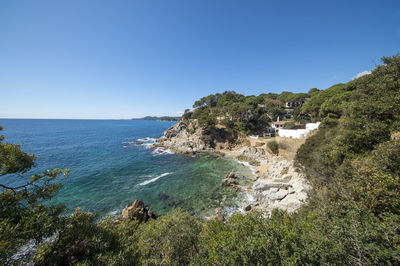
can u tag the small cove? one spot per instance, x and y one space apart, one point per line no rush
109 170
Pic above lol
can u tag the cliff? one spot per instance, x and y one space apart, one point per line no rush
183 138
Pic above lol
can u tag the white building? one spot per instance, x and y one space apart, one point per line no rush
298 133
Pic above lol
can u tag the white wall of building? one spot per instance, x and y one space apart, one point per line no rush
298 133
312 126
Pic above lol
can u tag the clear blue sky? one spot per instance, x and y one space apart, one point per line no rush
123 59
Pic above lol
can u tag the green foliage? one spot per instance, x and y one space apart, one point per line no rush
13 159
239 113
360 114
313 106
312 91
248 240
187 115
23 216
169 240
289 125
353 215
273 146
80 239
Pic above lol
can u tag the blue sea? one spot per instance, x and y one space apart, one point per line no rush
108 169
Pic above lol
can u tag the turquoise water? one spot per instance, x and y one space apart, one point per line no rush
109 170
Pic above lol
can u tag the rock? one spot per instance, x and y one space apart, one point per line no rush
248 208
139 143
135 211
228 182
231 174
218 215
279 195
230 179
163 196
261 185
284 178
173 202
290 203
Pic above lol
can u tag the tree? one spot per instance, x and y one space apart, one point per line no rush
23 215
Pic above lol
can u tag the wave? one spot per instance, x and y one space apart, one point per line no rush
146 142
128 142
153 179
147 139
161 151
113 213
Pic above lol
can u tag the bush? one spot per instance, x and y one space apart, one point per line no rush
273 146
170 240
80 240
248 240
289 125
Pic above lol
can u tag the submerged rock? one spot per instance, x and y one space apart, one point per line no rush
163 196
231 175
135 211
174 202
171 201
230 179
228 182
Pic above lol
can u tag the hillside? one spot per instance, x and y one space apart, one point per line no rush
159 118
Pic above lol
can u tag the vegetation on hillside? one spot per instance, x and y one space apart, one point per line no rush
352 215
228 114
273 146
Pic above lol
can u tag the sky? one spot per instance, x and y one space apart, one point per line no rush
122 59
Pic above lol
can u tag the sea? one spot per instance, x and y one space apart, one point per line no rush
112 163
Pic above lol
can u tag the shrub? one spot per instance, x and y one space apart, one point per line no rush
80 240
273 146
289 125
170 240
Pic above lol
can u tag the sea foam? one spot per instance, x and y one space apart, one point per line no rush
153 179
147 139
161 151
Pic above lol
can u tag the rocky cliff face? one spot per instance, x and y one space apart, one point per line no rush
183 138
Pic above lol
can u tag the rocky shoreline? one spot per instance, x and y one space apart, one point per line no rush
275 183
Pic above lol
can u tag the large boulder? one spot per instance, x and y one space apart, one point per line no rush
278 195
135 211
